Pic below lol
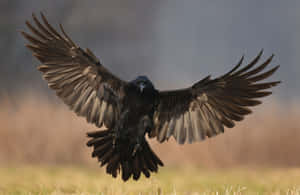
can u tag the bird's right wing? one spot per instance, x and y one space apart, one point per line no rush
77 76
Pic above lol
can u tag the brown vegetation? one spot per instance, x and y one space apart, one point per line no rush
35 129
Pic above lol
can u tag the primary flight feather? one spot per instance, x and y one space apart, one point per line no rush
130 110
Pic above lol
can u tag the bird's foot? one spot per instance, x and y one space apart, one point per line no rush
137 146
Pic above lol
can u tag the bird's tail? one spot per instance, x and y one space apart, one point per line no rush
120 157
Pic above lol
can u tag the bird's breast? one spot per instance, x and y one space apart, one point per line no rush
137 106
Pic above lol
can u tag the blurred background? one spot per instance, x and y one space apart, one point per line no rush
175 43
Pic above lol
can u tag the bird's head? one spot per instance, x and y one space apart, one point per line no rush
142 83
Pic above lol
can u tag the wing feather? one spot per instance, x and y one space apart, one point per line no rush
77 76
205 108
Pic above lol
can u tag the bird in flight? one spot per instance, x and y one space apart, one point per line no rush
130 110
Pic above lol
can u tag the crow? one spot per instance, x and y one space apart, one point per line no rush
131 110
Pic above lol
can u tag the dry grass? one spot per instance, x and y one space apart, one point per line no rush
35 129
175 181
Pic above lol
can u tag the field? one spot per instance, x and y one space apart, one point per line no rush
189 180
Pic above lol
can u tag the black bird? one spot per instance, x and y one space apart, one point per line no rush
130 110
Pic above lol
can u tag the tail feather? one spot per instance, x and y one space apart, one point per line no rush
150 162
144 166
113 165
136 169
96 134
120 159
106 157
98 141
155 158
126 170
101 149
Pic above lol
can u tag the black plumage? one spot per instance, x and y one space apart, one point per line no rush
130 110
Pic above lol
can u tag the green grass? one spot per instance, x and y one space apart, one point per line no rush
82 180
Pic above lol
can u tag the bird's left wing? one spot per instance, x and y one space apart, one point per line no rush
77 76
201 111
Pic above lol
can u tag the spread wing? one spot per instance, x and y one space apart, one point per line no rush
201 111
77 76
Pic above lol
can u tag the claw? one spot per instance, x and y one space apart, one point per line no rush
136 148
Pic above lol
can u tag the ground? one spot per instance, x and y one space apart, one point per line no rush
175 180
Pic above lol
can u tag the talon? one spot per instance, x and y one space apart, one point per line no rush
135 149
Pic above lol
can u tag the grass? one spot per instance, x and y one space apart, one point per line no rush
176 180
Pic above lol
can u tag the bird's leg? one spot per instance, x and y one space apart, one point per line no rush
144 124
137 147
